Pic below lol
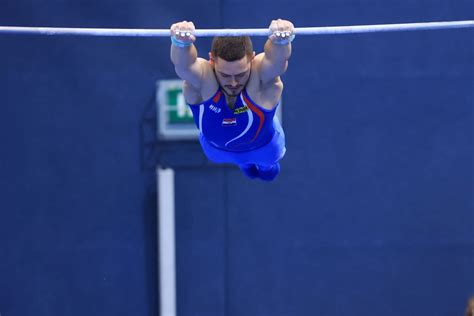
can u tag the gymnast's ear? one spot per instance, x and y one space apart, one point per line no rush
211 59
253 56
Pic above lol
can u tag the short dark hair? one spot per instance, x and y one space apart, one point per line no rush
232 48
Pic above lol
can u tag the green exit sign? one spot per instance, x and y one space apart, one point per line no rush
175 119
178 111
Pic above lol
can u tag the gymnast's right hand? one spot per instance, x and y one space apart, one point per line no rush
182 34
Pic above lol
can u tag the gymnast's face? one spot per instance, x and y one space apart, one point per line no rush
232 76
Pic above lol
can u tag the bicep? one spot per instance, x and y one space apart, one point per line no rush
194 73
269 71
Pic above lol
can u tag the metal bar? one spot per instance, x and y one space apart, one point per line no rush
237 32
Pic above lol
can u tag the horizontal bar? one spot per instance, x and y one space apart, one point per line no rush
237 32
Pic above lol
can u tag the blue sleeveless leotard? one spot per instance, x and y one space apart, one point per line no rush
245 135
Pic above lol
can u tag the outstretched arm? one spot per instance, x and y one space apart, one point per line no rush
184 54
277 50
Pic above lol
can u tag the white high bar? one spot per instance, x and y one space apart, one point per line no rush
237 32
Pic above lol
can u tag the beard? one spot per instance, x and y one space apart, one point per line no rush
233 92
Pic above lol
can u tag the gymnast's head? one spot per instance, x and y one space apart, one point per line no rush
470 307
231 58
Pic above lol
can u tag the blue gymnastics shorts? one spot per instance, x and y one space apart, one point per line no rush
266 155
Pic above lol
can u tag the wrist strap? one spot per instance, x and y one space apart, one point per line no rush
176 42
285 41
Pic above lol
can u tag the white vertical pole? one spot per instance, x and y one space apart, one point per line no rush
166 242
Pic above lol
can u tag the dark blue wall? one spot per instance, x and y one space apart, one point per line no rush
372 214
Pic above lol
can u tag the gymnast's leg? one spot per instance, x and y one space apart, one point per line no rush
250 170
263 163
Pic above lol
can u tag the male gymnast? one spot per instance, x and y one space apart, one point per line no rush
234 96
